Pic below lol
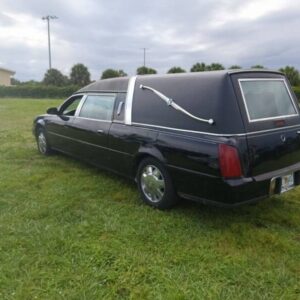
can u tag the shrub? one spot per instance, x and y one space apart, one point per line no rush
145 71
176 70
37 91
292 74
234 67
80 75
297 92
257 67
215 67
111 73
201 67
42 91
198 67
55 77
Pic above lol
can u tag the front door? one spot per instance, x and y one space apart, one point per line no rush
58 126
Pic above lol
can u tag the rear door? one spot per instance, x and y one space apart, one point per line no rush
271 115
91 126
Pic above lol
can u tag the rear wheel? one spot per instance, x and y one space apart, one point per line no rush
42 143
155 184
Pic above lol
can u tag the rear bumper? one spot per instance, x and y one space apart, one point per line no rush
218 203
228 193
291 169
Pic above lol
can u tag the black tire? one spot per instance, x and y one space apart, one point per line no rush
42 142
155 184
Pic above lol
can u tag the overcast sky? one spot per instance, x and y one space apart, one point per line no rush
110 34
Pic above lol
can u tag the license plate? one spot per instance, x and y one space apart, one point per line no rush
287 183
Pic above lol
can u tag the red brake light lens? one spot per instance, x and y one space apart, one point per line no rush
230 165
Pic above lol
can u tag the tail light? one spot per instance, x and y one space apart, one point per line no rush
229 161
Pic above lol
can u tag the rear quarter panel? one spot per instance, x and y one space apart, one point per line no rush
271 147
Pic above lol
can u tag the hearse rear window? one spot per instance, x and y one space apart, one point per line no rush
99 107
267 99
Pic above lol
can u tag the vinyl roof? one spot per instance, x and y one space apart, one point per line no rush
114 84
120 84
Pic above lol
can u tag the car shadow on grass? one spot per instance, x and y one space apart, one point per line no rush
278 210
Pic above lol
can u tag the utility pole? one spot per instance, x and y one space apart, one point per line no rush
48 18
144 49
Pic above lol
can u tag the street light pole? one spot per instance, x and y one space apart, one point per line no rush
145 56
49 41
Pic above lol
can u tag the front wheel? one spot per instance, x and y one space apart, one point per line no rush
155 184
42 143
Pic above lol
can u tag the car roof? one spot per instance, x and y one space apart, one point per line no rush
120 84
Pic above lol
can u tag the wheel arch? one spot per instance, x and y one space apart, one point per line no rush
40 124
145 152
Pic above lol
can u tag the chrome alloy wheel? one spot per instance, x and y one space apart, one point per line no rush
42 143
152 183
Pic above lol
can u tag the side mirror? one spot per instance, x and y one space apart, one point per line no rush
52 111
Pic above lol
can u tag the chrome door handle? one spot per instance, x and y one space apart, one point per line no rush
298 131
120 108
100 131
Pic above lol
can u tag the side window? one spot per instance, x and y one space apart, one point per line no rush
69 108
119 111
98 107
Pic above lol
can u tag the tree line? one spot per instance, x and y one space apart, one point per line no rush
80 75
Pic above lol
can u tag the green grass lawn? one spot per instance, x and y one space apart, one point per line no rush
70 231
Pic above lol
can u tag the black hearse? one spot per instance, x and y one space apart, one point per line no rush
223 137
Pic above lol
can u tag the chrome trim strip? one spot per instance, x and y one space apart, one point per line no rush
186 130
237 71
99 120
78 109
270 118
192 171
271 130
74 95
102 91
261 79
129 98
278 173
216 134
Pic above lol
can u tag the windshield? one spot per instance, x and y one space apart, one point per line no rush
267 99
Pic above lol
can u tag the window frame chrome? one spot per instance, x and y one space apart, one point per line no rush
269 118
128 101
69 98
80 105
